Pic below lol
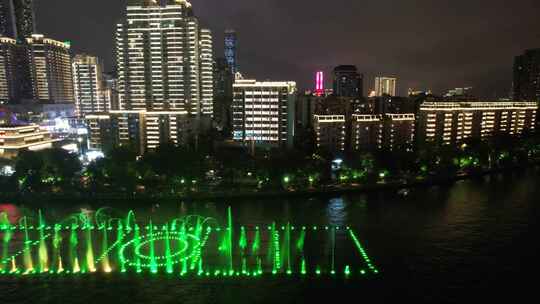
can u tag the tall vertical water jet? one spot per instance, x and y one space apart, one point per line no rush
168 258
90 263
153 263
137 242
181 243
119 253
333 237
276 250
242 244
73 254
256 243
57 245
27 256
5 245
300 243
14 268
42 251
230 232
287 245
105 262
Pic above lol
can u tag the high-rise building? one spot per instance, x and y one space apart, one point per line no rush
90 89
8 70
366 132
164 59
25 21
330 132
399 131
223 83
6 19
111 86
319 83
527 76
348 82
454 122
263 112
231 49
48 64
165 81
388 131
385 86
17 19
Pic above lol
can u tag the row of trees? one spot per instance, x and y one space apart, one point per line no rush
179 170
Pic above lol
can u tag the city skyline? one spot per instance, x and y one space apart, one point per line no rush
432 52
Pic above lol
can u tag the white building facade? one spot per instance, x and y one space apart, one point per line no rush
90 91
263 112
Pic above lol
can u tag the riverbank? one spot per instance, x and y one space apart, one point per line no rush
328 190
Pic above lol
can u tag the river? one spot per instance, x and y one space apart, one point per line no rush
472 240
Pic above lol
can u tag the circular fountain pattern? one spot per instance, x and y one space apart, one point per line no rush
188 247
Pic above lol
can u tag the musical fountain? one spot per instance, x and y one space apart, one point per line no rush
193 245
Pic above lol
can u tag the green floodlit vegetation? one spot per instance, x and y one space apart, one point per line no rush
207 170
192 246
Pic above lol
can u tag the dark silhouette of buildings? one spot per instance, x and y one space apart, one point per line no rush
527 76
348 82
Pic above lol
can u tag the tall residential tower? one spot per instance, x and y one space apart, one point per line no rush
348 82
231 49
164 62
385 86
90 88
164 59
527 76
17 19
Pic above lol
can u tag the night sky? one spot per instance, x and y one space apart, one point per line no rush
425 43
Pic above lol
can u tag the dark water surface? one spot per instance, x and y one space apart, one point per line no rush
473 240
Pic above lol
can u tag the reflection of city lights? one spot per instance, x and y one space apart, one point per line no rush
337 212
7 171
94 155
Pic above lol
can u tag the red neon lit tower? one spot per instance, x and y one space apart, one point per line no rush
319 83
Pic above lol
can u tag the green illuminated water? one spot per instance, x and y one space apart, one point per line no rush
191 245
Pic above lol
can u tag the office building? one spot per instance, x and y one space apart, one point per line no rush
91 94
454 122
330 132
231 50
385 86
348 82
263 112
527 76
